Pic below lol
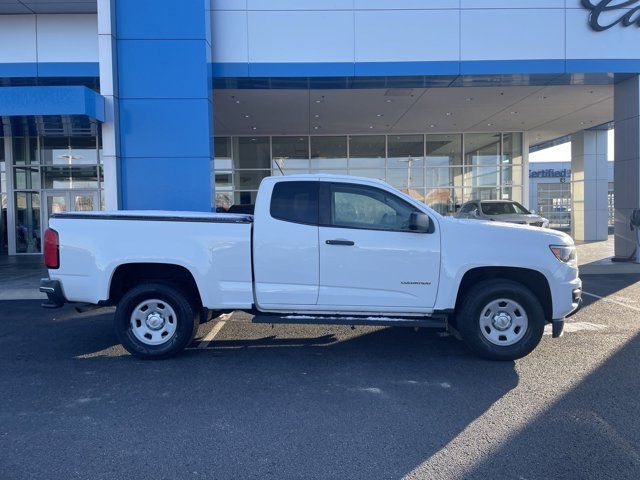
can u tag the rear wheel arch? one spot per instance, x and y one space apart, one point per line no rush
533 280
128 275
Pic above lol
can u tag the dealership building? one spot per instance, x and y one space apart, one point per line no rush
187 105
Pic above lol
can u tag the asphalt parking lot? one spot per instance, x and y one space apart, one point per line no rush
320 402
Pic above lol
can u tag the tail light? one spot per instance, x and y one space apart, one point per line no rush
51 249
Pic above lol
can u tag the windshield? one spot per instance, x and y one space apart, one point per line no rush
503 208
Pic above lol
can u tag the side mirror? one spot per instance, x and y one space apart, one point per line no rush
420 222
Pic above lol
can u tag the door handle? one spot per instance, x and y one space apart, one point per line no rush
346 243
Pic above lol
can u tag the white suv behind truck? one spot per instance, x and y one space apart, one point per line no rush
318 249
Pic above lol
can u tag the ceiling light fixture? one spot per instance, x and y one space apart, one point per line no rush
448 114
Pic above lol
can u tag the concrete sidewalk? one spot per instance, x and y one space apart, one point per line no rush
594 258
20 277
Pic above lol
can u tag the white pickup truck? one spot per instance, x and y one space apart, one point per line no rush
318 249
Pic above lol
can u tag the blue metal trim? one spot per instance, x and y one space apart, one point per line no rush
62 100
301 69
512 67
394 69
379 69
68 69
600 66
58 69
18 70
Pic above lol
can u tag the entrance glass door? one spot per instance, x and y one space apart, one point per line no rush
70 201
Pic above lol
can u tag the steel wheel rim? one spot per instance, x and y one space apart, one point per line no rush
503 322
154 322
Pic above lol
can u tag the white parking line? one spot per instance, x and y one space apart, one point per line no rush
222 320
611 301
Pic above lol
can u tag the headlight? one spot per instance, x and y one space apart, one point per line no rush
565 254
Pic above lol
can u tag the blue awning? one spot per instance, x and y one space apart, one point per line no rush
54 100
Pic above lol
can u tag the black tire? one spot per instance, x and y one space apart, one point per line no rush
186 318
478 297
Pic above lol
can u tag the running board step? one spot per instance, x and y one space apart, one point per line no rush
370 320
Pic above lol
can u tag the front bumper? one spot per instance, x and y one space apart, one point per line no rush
53 289
576 302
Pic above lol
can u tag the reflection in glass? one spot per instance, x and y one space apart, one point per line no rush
83 202
25 150
482 149
328 153
222 147
249 179
290 153
251 152
367 151
26 178
512 143
69 150
4 234
405 148
482 176
445 201
27 222
70 177
56 204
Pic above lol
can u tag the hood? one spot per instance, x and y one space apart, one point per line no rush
473 226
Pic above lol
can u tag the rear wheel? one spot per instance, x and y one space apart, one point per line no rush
156 320
501 320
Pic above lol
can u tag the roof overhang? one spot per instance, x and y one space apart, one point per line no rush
60 100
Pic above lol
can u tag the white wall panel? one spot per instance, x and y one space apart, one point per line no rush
67 38
615 43
228 4
229 36
300 4
17 38
512 34
302 36
512 3
405 4
407 35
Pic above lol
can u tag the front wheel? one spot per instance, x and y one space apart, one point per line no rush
155 320
501 320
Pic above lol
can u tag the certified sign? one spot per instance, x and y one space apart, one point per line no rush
609 13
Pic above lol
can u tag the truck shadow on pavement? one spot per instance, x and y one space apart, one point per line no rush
300 402
591 432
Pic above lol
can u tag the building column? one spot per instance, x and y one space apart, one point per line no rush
109 90
626 167
160 131
589 185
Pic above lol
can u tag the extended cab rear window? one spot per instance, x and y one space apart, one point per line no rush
295 202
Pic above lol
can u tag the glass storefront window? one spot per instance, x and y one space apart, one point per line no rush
403 149
249 179
25 150
251 152
222 147
27 211
440 169
328 153
512 144
224 180
65 177
245 198
4 233
377 173
445 201
482 149
290 153
69 151
26 178
224 200
367 151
